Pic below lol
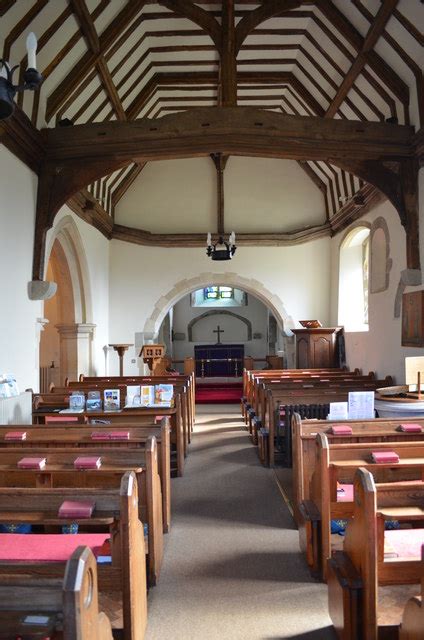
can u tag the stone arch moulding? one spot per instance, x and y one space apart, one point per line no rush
66 232
184 287
76 335
218 312
380 224
78 155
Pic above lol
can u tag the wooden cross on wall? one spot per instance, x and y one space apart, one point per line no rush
218 330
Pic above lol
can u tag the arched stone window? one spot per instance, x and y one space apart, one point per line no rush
354 279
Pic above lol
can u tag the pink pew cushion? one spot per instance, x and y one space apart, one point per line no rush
65 419
47 547
405 543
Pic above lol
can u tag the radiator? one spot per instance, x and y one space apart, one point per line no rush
16 410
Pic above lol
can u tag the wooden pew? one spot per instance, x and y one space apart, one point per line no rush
412 627
183 385
124 580
188 380
139 415
252 378
337 463
354 383
304 434
63 602
309 403
357 572
60 472
81 436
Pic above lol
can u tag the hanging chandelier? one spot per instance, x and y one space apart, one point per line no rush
32 79
221 250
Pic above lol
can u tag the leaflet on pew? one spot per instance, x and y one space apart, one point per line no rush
160 395
360 406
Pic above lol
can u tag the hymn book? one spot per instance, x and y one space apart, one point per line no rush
87 462
15 435
32 463
341 429
410 428
384 457
75 509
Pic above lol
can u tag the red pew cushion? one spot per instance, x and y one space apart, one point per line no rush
47 547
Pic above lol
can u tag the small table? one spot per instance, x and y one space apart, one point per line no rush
120 349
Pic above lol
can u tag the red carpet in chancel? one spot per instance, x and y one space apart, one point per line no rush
223 393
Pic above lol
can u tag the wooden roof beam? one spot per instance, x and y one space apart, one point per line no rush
127 181
197 15
377 64
77 74
252 19
374 32
88 29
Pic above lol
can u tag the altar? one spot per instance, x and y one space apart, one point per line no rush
219 360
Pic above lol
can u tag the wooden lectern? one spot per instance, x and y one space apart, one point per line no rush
154 356
316 348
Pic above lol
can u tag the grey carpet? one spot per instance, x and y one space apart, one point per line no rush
232 565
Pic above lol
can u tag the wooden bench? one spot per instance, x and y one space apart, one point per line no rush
252 378
357 573
81 436
60 472
413 617
123 581
139 415
187 380
183 386
68 606
282 405
352 383
336 464
304 434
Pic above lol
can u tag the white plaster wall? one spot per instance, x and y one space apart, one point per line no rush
18 315
261 195
96 250
380 348
235 330
140 276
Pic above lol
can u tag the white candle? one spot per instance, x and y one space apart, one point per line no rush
209 239
31 44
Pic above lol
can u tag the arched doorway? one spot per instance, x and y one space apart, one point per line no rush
66 342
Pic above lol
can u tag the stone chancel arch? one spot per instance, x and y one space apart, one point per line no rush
231 279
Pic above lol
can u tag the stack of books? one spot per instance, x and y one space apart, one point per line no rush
87 462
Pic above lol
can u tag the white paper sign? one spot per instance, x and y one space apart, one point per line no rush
338 411
361 405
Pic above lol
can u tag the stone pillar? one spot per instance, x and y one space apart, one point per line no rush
76 342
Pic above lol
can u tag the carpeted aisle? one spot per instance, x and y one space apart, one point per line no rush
232 567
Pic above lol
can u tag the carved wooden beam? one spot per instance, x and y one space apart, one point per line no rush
139 236
228 64
220 163
21 138
57 183
376 29
361 148
238 130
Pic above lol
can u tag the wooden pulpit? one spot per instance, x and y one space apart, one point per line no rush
316 348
